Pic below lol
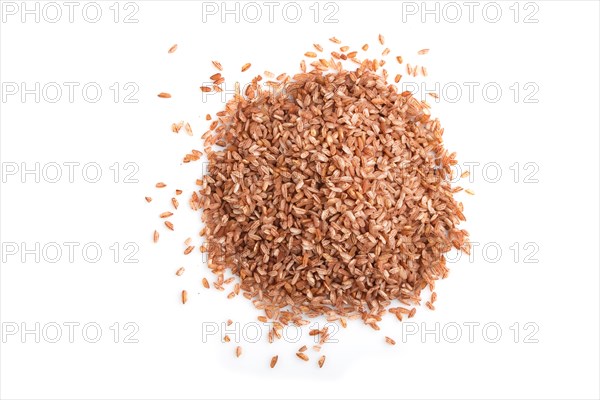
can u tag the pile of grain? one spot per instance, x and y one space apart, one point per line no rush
328 193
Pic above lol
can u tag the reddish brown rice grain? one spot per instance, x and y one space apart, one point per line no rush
365 47
423 51
188 250
175 202
166 214
208 117
205 283
169 225
389 340
302 349
205 89
352 54
178 191
469 191
310 54
423 71
321 361
397 78
215 77
245 67
148 199
343 322
188 129
433 297
176 127
430 305
318 47
335 40
164 95
385 52
381 39
184 296
229 322
262 318
180 271
434 95
302 356
399 59
161 185
273 361
412 313
344 49
226 339
173 49
155 236
218 65
238 351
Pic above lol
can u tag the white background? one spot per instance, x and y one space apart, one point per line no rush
558 215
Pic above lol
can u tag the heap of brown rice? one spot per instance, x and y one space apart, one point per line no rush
328 193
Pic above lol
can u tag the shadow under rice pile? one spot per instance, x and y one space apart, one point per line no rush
329 193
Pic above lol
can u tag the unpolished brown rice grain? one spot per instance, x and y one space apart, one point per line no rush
218 65
166 214
273 361
148 199
173 49
423 51
205 283
321 361
169 225
180 271
389 340
238 351
188 250
155 236
164 95
175 202
161 185
302 356
246 66
184 296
